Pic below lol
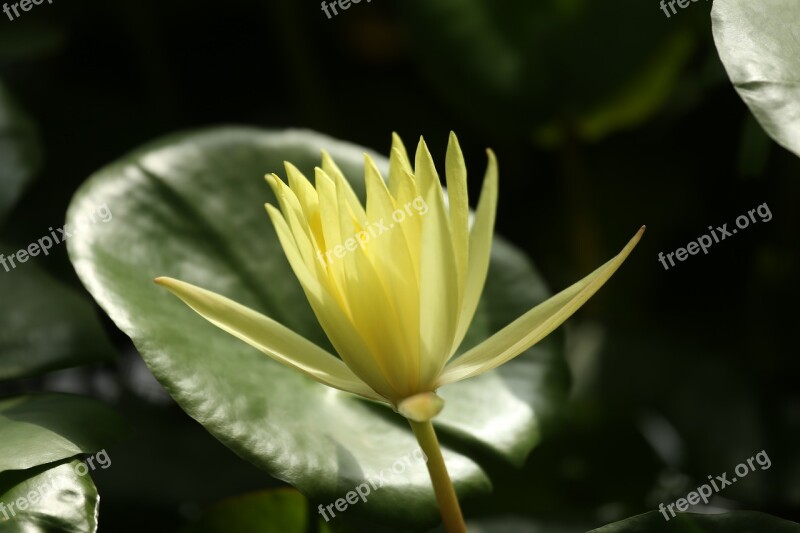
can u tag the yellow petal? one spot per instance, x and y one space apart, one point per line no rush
438 279
309 202
534 325
408 195
332 170
369 308
329 218
399 165
480 250
270 337
290 206
306 275
387 251
379 202
327 287
456 175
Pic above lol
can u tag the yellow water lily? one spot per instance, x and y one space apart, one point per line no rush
394 285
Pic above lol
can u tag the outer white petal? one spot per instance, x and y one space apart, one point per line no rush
275 340
534 325
480 250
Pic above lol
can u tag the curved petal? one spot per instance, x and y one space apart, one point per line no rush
534 325
456 176
480 249
275 340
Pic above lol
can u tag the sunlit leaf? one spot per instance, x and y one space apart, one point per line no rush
44 428
759 44
48 499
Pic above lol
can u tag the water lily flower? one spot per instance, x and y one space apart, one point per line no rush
396 304
395 286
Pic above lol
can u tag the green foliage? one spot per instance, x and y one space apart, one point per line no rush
760 49
55 498
45 428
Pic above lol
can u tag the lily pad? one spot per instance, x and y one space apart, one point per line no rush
759 44
191 207
48 498
45 428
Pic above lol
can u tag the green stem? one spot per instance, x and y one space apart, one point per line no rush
442 486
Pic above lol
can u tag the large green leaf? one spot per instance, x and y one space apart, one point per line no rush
48 499
45 428
19 151
759 44
736 522
49 327
274 511
191 207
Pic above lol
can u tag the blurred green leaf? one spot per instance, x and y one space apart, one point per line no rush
20 155
46 325
550 68
191 207
275 511
759 46
49 427
31 40
55 499
633 103
736 522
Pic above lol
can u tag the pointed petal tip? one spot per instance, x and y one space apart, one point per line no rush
272 179
369 162
636 238
167 282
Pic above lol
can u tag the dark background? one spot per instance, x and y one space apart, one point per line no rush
678 374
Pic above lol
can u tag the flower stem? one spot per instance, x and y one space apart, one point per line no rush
442 486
